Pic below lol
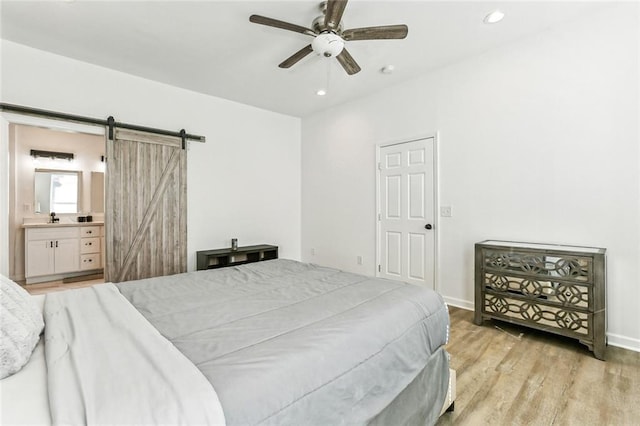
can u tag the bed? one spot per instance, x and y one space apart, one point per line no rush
274 342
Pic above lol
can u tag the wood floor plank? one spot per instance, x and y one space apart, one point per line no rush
511 375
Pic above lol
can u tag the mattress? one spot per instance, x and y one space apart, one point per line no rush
285 342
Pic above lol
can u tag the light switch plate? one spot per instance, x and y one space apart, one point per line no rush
446 211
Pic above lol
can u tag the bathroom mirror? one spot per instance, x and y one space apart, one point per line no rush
57 191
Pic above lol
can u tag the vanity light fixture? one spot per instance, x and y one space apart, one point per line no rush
494 17
36 153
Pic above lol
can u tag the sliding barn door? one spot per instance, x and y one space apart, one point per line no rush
146 215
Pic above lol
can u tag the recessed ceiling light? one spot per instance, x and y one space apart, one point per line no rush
321 92
388 69
493 17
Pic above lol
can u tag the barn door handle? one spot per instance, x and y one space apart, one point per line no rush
428 226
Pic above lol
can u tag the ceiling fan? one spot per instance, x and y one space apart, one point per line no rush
329 37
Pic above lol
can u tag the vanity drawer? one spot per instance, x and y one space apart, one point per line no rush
51 233
90 231
90 261
90 245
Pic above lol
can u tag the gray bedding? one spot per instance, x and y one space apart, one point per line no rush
284 342
106 365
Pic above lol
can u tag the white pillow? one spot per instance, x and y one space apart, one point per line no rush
20 327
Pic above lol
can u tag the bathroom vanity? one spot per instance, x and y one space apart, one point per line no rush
57 251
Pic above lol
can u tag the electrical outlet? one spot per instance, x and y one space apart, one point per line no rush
446 211
26 207
359 260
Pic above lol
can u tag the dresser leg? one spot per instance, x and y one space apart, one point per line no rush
599 349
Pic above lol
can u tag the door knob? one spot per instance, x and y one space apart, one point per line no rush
428 226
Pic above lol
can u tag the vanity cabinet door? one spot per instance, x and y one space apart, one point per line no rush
67 256
51 251
40 258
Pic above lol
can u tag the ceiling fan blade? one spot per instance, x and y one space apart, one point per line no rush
270 22
293 59
376 33
333 15
348 63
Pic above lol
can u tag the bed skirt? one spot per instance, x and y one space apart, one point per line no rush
421 402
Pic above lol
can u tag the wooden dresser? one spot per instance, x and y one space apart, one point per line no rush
559 289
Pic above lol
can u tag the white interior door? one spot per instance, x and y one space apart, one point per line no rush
406 197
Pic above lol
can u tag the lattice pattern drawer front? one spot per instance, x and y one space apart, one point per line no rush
544 315
542 291
550 287
572 268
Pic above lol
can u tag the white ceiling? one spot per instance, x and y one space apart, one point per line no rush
211 47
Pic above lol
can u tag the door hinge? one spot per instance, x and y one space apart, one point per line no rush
379 216
379 268
379 166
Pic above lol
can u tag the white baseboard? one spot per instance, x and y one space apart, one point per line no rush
612 339
459 303
623 342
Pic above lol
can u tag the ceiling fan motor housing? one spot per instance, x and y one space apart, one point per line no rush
327 44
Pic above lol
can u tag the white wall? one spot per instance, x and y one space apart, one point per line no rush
243 182
4 197
538 142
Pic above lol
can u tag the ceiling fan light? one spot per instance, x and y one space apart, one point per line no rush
327 44
494 17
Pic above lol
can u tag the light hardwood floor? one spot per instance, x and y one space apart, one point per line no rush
50 286
534 378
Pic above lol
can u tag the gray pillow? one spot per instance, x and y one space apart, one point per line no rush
20 326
